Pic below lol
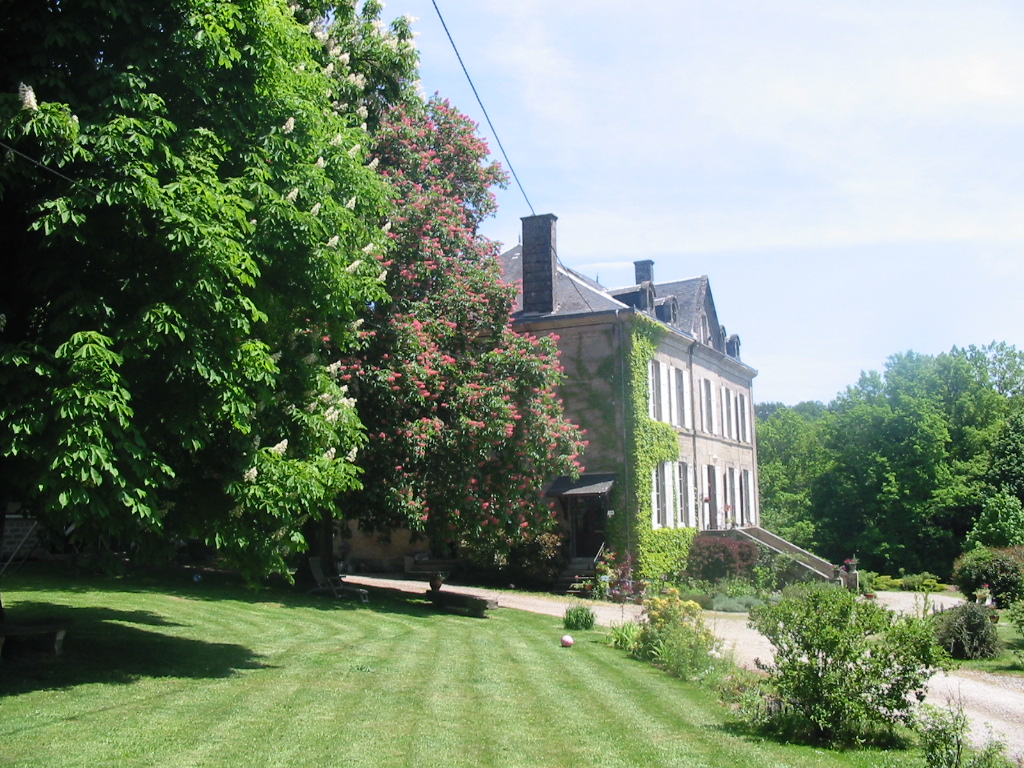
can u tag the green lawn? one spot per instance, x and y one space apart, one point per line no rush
175 673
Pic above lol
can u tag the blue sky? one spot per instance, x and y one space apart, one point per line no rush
850 175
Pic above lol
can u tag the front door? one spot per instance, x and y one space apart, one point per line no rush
588 519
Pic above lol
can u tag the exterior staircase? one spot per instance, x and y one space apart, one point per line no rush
577 571
815 566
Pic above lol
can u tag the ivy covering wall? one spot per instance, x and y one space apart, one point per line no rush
649 443
663 551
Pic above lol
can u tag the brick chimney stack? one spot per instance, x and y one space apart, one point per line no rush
644 271
539 260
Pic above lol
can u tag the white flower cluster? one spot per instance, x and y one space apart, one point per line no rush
333 242
354 266
280 448
354 150
330 454
291 196
28 97
289 125
315 210
251 474
320 162
351 204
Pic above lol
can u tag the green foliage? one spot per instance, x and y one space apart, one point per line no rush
943 735
664 552
967 632
1015 615
920 582
626 636
579 617
1001 569
184 269
789 457
896 467
1001 522
842 666
740 604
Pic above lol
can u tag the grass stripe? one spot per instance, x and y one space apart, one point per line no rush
171 673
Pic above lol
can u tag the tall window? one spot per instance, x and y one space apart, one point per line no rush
708 407
685 496
730 492
655 390
744 420
684 413
746 512
662 495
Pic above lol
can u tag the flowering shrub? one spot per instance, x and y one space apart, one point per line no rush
616 579
673 634
713 558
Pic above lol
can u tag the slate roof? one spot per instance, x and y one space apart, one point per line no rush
575 294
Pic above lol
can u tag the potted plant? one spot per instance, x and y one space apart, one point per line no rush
983 595
436 580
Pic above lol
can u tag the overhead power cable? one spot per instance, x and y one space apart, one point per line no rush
483 109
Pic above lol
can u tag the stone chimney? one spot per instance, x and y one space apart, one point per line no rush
539 263
644 271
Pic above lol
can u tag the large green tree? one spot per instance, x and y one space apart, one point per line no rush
900 466
790 456
185 211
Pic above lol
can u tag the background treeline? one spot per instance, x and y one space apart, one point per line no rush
907 468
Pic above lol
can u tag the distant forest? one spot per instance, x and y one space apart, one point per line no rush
907 468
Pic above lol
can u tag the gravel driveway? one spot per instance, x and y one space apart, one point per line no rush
994 703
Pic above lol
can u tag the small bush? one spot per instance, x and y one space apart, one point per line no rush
920 582
740 604
967 632
704 600
1015 615
885 583
714 558
674 636
1001 569
579 617
687 650
843 668
944 742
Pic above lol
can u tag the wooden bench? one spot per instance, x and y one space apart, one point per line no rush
55 628
456 601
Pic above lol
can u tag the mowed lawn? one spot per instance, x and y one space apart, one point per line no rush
174 673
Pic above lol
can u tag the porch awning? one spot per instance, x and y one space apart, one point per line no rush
585 485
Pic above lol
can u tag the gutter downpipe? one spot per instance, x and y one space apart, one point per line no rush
625 431
693 437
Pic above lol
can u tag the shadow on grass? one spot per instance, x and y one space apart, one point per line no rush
106 645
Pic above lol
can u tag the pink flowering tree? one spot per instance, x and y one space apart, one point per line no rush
463 423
